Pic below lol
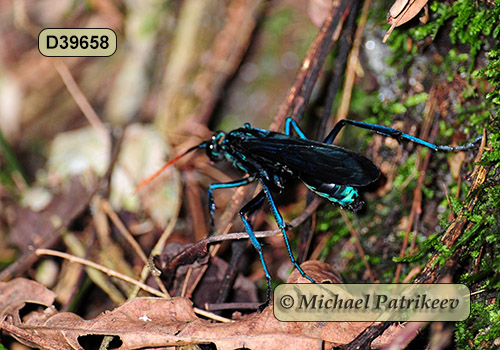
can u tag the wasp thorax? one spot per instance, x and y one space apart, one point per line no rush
215 146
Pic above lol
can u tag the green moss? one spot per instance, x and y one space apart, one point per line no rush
470 75
484 332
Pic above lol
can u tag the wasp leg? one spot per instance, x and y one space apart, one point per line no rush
282 226
395 134
245 212
292 123
211 202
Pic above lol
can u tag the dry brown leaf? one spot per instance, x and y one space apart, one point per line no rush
401 12
14 296
154 322
455 163
317 270
32 228
16 293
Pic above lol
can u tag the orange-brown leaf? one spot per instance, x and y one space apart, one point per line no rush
401 12
155 322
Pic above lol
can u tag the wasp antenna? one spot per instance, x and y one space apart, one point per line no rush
156 174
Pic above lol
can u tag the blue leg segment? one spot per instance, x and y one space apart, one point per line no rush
282 227
211 203
245 212
290 123
395 134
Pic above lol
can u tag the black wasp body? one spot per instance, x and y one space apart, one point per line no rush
273 159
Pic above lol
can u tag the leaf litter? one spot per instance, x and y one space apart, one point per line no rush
147 322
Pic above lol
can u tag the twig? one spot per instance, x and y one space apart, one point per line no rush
213 252
186 280
339 68
416 207
431 273
361 251
344 47
76 248
160 245
213 316
106 207
201 246
457 226
352 63
232 306
80 98
269 233
194 207
301 90
101 268
123 277
452 215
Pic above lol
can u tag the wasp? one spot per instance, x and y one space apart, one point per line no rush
273 159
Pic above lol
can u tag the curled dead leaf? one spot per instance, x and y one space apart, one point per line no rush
317 270
31 228
156 322
401 12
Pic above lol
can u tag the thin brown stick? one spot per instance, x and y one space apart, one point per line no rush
186 280
301 90
213 252
123 277
106 207
416 207
231 306
194 206
211 315
80 98
318 247
352 63
432 272
160 244
259 234
451 215
101 268
361 251
269 233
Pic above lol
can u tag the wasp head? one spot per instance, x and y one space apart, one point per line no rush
214 146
